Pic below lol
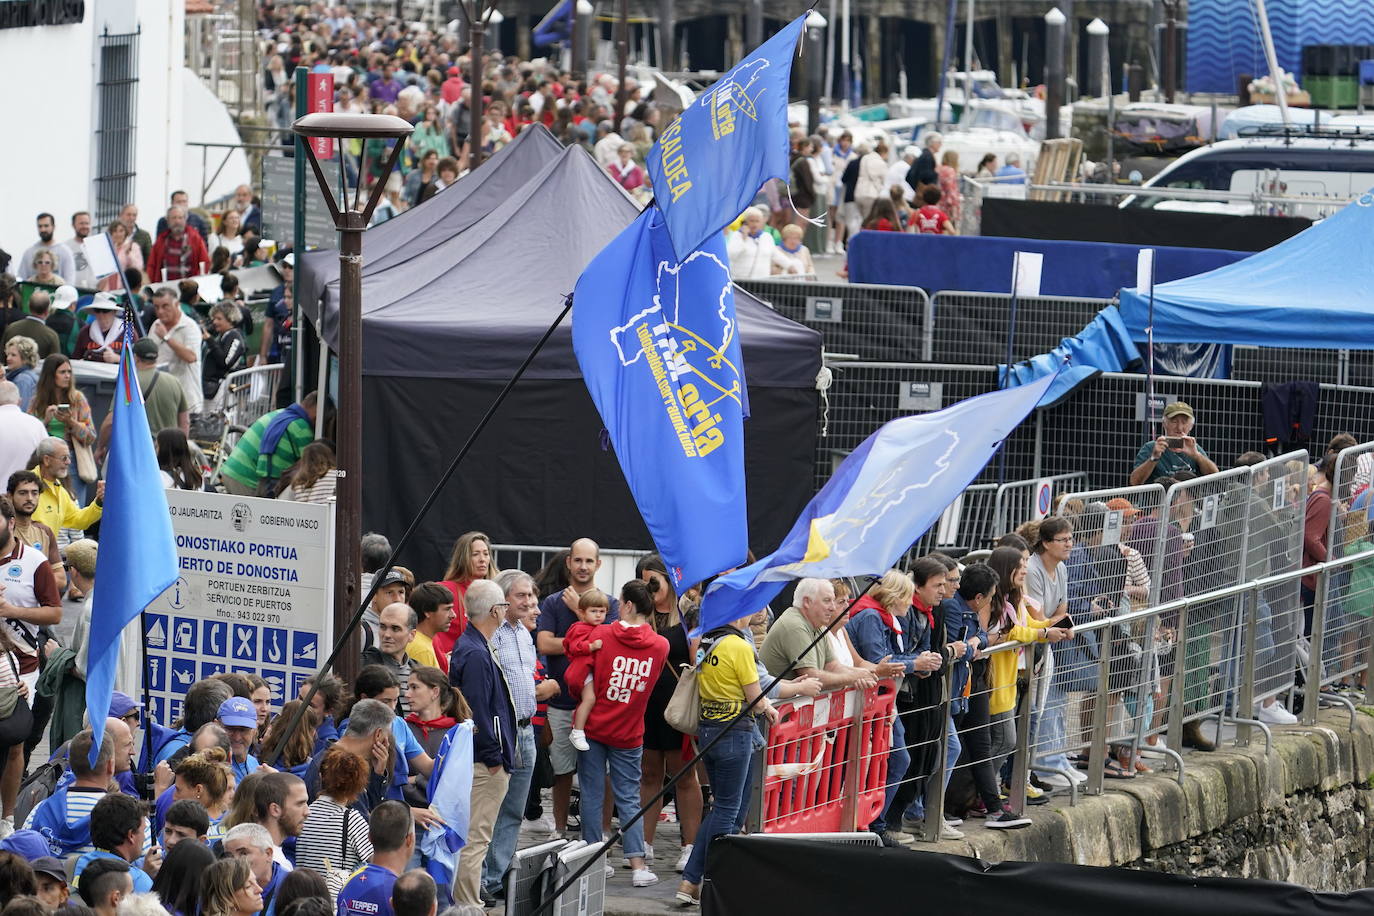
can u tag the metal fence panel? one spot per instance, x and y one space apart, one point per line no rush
1017 499
1345 641
972 327
1274 516
870 321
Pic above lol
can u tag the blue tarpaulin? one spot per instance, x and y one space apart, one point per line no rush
1103 346
1314 290
983 263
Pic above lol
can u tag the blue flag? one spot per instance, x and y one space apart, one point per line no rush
660 353
709 163
137 560
884 496
557 25
450 791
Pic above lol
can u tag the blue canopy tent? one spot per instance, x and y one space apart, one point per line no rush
1314 290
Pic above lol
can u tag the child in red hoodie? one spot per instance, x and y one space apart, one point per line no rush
624 672
579 645
930 219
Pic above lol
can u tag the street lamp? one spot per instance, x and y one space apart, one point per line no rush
815 31
1054 70
350 223
581 37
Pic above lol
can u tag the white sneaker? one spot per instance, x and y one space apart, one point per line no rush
643 878
542 824
1275 714
950 833
6 827
1056 779
578 739
954 821
648 856
682 859
610 871
1078 776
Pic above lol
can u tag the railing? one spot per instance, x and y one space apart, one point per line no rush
871 320
1105 698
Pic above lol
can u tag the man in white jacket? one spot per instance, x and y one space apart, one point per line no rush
752 249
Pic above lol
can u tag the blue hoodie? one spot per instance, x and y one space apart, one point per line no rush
961 623
50 820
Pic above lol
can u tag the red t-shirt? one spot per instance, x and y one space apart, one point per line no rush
930 220
445 641
625 671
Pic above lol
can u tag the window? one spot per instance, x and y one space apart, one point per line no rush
116 125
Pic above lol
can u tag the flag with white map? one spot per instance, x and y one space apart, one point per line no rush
659 350
881 499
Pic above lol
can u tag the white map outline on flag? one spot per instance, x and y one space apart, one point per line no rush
727 329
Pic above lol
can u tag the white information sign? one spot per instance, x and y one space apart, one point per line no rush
255 594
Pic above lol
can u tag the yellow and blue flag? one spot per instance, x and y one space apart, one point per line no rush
708 164
137 560
660 353
884 496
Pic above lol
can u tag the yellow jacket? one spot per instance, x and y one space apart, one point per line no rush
1002 666
58 510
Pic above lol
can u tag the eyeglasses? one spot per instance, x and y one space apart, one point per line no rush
500 606
1066 539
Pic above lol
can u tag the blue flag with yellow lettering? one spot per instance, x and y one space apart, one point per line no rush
884 496
659 350
708 165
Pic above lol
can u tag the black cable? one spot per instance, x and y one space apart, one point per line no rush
619 831
430 500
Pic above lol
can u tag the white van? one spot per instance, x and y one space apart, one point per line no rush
1324 167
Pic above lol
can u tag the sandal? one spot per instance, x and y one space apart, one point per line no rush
1113 770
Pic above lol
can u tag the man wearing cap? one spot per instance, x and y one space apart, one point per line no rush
452 88
239 718
102 339
52 881
1172 452
164 400
35 325
61 317
394 589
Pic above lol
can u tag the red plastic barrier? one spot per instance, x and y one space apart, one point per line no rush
819 751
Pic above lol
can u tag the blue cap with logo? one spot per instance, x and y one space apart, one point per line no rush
238 712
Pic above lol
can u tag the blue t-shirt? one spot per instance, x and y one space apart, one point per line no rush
142 883
241 770
556 617
367 893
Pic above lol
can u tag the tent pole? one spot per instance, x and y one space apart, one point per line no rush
1011 340
342 637
1150 361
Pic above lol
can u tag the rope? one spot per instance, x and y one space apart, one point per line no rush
824 379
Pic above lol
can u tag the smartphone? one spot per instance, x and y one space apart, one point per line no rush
1174 441
64 407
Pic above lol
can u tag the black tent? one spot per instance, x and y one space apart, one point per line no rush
450 315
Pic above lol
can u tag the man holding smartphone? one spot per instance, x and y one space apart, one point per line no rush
1174 451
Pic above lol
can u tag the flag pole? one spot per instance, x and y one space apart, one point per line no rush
1011 340
701 752
1150 361
341 639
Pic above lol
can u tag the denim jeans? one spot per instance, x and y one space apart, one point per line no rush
916 810
624 764
897 762
506 834
727 765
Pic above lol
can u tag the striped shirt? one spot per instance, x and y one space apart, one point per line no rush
80 803
322 837
243 464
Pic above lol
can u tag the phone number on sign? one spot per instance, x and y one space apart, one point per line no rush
253 616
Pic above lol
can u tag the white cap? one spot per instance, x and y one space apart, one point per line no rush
64 297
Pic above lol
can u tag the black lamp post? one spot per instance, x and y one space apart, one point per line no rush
350 221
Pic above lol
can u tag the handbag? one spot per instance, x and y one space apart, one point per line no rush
85 462
336 878
16 720
683 711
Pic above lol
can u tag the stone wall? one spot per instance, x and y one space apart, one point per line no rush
1299 813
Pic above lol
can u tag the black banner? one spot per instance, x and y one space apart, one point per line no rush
750 875
1033 219
19 14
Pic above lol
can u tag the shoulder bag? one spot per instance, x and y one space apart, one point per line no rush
683 711
334 877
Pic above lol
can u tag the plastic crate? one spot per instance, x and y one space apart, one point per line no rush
1333 91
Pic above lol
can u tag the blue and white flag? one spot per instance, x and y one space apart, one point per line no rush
660 353
710 162
450 795
556 27
137 560
884 496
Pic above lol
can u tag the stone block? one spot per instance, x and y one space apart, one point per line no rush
1163 809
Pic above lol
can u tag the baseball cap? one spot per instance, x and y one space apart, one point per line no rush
237 712
452 71
391 577
63 297
121 704
47 865
145 348
1178 407
29 845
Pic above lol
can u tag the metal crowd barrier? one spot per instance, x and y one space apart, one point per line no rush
868 320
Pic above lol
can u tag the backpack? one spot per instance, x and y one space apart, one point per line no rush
40 784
